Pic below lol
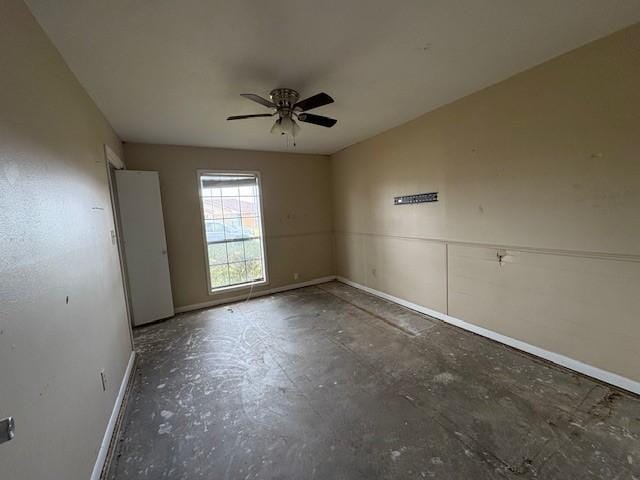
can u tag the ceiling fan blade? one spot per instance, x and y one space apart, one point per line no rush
316 101
240 117
317 119
258 99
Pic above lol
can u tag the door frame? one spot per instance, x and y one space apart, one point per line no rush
113 163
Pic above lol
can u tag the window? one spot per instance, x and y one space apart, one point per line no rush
232 220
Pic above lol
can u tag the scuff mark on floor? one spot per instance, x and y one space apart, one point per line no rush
303 384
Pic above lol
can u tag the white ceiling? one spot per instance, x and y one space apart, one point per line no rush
171 71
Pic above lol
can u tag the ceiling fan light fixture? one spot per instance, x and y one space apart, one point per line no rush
276 128
285 126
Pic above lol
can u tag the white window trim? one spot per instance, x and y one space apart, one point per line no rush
244 286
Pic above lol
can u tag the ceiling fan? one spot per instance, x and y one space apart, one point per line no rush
287 108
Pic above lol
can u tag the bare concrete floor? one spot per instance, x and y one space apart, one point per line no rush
330 383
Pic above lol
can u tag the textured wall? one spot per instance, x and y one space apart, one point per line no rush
296 197
62 311
543 165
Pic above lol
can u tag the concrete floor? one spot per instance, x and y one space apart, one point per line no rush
330 383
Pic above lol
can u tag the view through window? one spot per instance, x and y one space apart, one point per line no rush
233 229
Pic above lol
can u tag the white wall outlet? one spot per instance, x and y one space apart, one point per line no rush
296 276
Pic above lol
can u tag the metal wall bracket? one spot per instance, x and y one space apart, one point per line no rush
7 429
416 198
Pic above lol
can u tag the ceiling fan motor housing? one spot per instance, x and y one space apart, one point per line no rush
285 99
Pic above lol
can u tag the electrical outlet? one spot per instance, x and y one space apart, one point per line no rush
103 379
296 276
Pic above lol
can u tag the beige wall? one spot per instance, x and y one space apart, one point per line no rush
55 243
545 165
296 196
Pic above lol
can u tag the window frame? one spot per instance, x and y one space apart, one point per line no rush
265 281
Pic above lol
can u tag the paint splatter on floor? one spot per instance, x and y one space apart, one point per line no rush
330 383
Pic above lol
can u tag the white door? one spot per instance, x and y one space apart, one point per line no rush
145 246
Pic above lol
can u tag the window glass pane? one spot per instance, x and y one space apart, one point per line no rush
217 253
237 273
252 249
232 228
236 251
215 230
250 227
212 208
210 192
231 207
246 190
217 207
254 270
219 275
230 191
207 208
249 206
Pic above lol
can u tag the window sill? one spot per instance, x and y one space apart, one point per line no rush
233 288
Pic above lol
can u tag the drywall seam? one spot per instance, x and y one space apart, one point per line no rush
236 298
623 257
446 276
570 363
106 440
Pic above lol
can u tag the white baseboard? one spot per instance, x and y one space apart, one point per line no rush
260 293
570 363
106 440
